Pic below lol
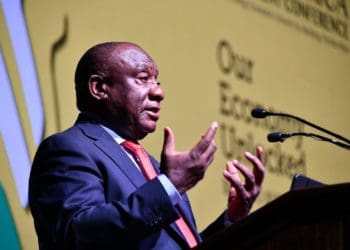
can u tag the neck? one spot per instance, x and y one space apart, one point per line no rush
112 125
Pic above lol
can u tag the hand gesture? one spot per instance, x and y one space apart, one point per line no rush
243 194
185 169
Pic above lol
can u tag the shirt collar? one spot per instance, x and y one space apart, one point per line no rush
114 135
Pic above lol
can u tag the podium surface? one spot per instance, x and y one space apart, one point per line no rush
315 218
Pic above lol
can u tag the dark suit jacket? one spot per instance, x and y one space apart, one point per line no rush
85 193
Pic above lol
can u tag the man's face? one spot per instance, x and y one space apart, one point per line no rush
134 93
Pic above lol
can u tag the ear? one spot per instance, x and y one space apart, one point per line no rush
97 87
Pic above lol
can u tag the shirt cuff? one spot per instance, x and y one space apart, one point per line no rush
171 190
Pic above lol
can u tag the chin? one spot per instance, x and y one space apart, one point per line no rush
146 130
151 129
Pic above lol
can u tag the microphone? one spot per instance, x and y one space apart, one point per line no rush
278 136
261 113
281 137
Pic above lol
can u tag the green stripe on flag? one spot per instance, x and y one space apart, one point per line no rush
8 234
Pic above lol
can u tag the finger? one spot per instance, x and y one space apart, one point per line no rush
231 174
259 168
232 171
246 172
235 183
210 159
209 153
210 134
169 140
206 140
231 168
260 153
259 174
233 195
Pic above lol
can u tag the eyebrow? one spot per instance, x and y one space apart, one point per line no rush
144 68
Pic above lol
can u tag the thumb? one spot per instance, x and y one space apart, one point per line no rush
233 204
233 195
169 140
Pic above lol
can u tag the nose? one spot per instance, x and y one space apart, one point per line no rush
156 92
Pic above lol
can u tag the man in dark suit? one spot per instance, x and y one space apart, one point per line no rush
88 190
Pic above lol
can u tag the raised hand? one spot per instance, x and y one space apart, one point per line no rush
243 194
185 169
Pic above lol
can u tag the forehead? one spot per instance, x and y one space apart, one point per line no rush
134 58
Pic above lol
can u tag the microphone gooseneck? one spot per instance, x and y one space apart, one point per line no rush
281 137
261 113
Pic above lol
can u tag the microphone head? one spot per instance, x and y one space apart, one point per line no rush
259 113
276 137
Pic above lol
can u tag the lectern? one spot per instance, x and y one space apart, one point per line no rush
315 218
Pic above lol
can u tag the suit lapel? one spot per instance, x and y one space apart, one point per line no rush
114 151
120 158
111 148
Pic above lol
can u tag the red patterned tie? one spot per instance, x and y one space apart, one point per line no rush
149 172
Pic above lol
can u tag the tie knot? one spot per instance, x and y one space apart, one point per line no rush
141 158
132 146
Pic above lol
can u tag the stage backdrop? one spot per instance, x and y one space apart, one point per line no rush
217 61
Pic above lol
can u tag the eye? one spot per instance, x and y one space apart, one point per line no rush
143 77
